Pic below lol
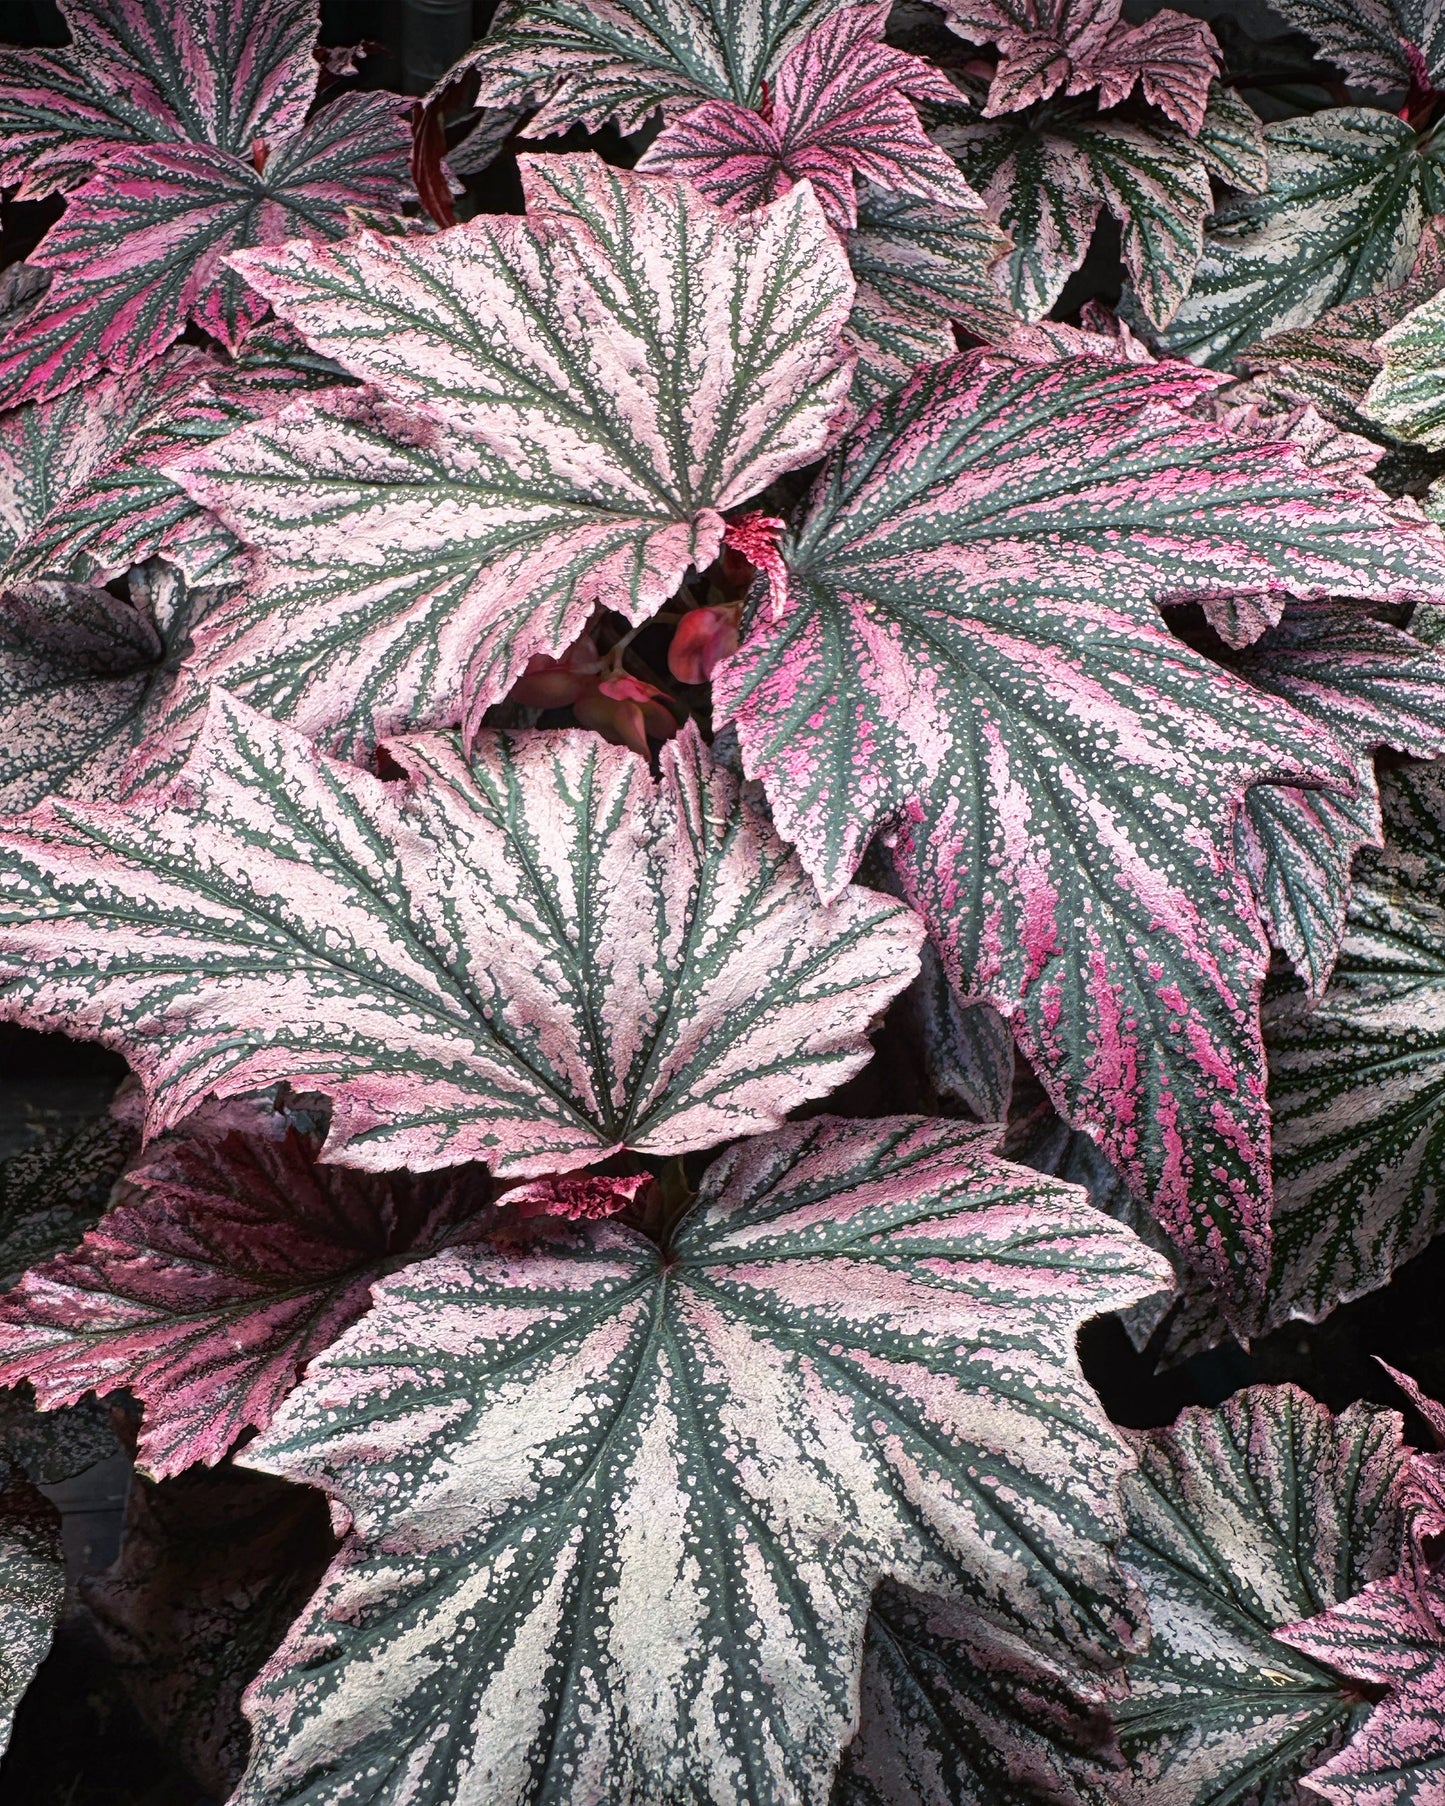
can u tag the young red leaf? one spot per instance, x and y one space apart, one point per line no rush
972 654
631 1503
534 959
839 111
564 406
228 1260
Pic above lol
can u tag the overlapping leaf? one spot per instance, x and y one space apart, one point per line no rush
227 1261
621 1538
1048 47
966 1049
1241 1520
189 150
588 61
972 651
840 110
32 1584
563 407
1370 39
1357 1080
534 959
1349 191
1408 394
52 1193
214 1565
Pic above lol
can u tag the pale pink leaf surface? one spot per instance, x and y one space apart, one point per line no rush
622 1508
32 1582
228 1259
1049 47
588 61
1240 1520
563 406
534 960
839 111
138 252
972 655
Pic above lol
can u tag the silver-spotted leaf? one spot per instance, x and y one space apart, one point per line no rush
588 61
1369 685
840 110
1242 1519
1357 1079
32 1583
1408 395
534 959
563 407
1349 192
1370 40
618 1511
228 1259
50 1194
972 654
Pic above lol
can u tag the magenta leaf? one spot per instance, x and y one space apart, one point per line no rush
545 955
563 407
631 1502
972 654
839 111
32 1582
213 1567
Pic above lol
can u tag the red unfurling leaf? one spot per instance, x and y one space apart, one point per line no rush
703 639
584 1199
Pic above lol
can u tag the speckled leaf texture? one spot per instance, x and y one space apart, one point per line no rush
1369 685
1049 47
588 61
1357 1080
50 1194
1408 395
1391 1634
617 1512
972 654
228 1259
32 1583
563 407
1349 191
534 960
1367 38
840 109
1242 1519
189 149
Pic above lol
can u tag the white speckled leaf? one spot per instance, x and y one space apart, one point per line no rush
52 1193
1349 191
32 1584
1357 1080
563 406
1367 38
1408 395
617 1512
532 961
1240 1520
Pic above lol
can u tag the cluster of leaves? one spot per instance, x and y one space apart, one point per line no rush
497 709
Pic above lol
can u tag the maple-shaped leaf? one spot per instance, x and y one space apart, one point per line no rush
971 652
1391 1634
189 149
1349 191
85 680
1407 396
840 110
921 269
1048 47
534 959
32 1582
958 1711
50 1194
624 1506
1369 685
1048 174
563 406
213 1567
588 61
1242 1519
1357 1079
1370 40
227 1261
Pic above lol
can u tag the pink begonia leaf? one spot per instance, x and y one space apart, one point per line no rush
840 110
139 250
535 959
1048 47
217 72
563 406
632 1502
972 655
588 61
213 1567
227 1261
578 1199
